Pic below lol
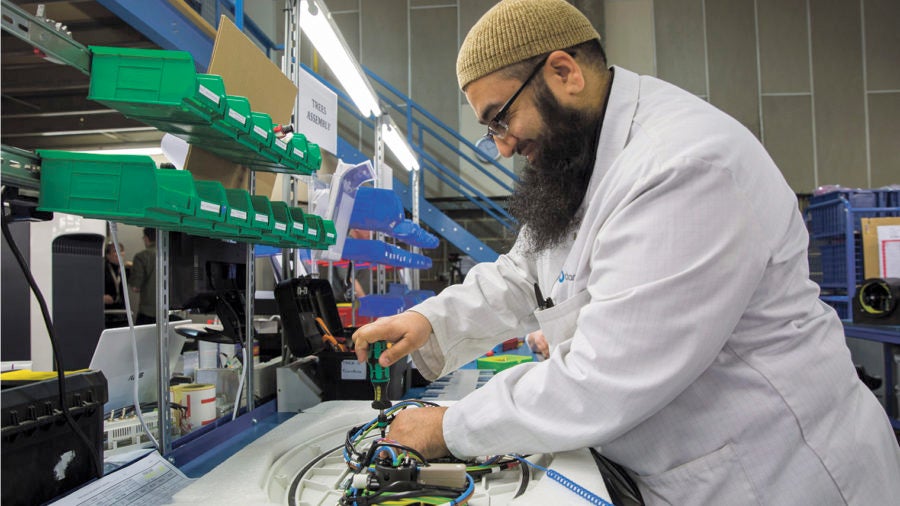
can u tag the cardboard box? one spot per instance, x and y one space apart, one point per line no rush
246 72
870 243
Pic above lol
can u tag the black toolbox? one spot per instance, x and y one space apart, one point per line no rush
338 373
42 457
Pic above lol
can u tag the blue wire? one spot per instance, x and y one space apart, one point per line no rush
470 489
569 484
387 449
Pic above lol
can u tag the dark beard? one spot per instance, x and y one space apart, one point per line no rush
552 187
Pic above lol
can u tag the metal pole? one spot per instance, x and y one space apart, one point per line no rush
379 168
162 328
248 313
415 218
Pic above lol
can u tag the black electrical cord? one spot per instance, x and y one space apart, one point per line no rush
292 491
45 313
526 476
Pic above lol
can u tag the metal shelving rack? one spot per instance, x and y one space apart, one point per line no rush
20 169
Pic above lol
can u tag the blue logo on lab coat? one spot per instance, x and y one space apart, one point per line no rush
563 276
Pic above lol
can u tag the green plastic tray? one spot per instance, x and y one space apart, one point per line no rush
125 188
500 362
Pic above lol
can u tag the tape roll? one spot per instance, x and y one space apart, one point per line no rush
199 401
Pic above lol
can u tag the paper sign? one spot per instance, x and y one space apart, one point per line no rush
353 370
318 118
889 251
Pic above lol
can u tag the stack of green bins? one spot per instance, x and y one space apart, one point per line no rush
124 188
162 89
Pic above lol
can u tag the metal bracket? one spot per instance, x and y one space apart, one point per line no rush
47 35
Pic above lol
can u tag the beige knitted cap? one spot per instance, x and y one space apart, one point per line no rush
515 30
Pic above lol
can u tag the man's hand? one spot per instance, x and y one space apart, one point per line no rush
538 343
108 299
421 429
408 331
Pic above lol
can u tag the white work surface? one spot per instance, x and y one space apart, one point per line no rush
262 472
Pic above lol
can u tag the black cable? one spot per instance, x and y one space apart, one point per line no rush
292 491
45 313
526 475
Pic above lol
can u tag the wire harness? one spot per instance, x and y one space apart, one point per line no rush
383 471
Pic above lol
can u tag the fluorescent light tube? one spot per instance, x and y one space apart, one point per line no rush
317 24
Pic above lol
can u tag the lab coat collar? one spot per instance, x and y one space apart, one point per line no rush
620 109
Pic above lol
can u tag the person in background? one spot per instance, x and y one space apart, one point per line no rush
112 282
142 279
687 342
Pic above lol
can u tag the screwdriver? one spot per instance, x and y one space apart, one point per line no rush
380 377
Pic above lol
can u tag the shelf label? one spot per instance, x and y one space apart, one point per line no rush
298 226
281 145
353 370
280 226
240 118
262 217
210 207
237 213
260 131
299 154
330 235
206 92
313 231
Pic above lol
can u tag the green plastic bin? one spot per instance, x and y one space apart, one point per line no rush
315 231
261 132
298 230
280 148
144 83
297 150
313 158
241 214
262 220
330 236
125 188
283 224
209 97
211 212
236 120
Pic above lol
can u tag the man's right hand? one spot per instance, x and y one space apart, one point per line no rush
408 331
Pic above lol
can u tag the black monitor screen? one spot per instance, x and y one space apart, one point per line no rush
200 265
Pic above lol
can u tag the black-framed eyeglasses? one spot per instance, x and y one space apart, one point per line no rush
498 128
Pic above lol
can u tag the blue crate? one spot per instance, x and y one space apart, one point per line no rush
828 212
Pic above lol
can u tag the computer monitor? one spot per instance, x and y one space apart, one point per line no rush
114 357
200 265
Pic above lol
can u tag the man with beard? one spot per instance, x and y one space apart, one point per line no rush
687 342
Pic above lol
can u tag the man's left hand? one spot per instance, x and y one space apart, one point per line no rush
421 429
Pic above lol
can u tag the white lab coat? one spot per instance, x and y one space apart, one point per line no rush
687 340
